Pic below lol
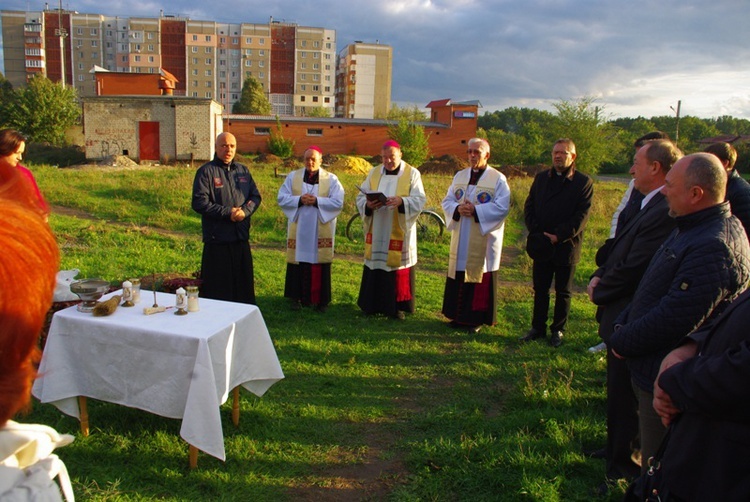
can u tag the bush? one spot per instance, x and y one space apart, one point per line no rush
278 144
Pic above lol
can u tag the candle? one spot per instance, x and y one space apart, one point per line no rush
192 294
127 291
180 299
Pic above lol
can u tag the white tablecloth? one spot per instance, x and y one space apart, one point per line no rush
173 366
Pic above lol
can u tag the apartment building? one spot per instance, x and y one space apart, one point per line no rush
363 81
295 65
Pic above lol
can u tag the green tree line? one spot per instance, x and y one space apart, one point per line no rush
42 110
523 136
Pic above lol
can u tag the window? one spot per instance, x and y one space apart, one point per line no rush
248 74
316 55
303 43
151 47
208 38
328 56
316 88
302 76
303 87
315 132
94 55
80 66
222 62
151 59
261 52
248 40
235 63
263 131
248 63
150 36
262 41
303 66
194 49
261 63
328 78
222 74
248 52
138 47
110 33
327 89
316 44
208 94
195 72
223 40
303 54
261 75
235 97
208 73
315 99
235 85
316 66
208 83
195 39
209 50
195 60
137 59
195 94
94 31
316 77
195 83
328 45
302 98
79 31
327 100
235 40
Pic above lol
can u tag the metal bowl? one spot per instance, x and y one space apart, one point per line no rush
89 291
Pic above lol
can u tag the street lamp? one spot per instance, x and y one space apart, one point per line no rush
677 125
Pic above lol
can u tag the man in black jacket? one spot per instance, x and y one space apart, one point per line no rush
225 195
556 212
703 382
738 190
612 285
702 266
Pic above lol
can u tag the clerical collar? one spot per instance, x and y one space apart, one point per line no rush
394 172
311 178
476 174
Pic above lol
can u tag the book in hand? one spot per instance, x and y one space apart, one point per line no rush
373 196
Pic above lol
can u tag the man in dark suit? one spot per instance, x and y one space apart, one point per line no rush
556 212
704 383
639 234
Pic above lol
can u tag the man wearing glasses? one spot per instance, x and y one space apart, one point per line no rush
475 208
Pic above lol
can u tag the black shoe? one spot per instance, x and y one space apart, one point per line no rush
556 339
295 305
598 453
530 335
321 308
399 315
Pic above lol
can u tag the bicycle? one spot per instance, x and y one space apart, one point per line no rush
430 227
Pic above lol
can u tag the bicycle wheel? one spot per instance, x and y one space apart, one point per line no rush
430 226
354 230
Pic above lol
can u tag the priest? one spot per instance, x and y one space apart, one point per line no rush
475 208
390 200
311 199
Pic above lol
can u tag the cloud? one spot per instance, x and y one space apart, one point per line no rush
637 57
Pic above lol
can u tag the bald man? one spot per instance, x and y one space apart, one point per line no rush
225 196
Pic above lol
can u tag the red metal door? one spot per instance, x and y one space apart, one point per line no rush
148 140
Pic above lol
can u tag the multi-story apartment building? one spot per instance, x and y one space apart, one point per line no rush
295 65
363 81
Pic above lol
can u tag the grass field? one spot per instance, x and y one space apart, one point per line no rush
370 409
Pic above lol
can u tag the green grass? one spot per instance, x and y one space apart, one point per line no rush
371 408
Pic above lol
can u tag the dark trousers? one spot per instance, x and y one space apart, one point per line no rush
651 429
227 272
622 420
543 273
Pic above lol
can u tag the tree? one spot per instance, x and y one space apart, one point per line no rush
317 111
44 110
415 145
253 100
278 144
595 138
7 98
412 114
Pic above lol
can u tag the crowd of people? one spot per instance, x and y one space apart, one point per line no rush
669 288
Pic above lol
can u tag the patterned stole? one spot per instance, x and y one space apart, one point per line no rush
398 226
483 193
325 230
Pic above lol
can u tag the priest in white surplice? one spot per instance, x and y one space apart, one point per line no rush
475 209
390 235
311 198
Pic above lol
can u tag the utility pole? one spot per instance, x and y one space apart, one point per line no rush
677 124
62 33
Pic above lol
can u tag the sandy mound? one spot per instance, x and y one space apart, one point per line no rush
118 161
355 165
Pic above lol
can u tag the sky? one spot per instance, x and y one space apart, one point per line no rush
634 57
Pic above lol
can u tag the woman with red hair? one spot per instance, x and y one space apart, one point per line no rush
27 282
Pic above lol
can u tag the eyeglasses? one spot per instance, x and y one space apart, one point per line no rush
474 152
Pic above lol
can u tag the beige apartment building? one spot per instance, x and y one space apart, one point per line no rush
363 81
295 65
